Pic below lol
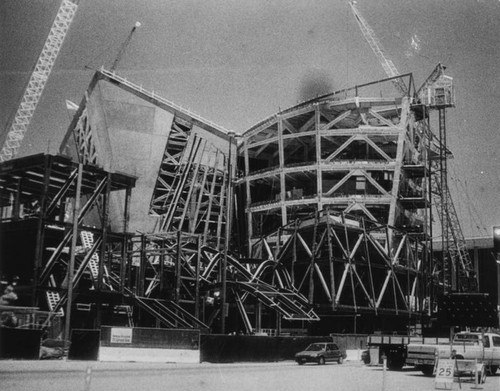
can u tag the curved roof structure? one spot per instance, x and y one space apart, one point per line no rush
351 151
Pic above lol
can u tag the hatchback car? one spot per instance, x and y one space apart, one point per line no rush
321 352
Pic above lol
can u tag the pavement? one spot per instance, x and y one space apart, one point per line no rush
55 375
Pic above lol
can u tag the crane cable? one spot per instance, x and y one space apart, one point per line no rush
475 219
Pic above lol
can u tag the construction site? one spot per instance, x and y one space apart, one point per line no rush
333 216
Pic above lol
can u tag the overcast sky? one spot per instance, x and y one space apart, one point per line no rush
236 62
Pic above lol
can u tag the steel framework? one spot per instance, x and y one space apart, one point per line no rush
187 256
343 154
178 267
41 192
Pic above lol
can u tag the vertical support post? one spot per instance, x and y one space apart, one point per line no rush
40 235
227 240
178 271
294 253
126 210
197 281
102 251
319 177
258 317
313 260
142 267
249 214
444 223
126 261
162 266
104 230
367 252
125 267
476 266
16 208
178 268
71 266
430 250
333 292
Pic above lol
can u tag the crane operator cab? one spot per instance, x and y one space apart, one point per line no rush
438 93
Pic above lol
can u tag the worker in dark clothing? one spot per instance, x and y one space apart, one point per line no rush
9 296
8 318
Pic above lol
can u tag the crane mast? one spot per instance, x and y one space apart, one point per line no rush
38 79
435 94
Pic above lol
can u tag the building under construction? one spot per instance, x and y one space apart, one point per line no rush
330 201
316 220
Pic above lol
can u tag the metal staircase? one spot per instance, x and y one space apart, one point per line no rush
93 264
53 301
165 311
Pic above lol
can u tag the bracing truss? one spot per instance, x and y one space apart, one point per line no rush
341 263
191 192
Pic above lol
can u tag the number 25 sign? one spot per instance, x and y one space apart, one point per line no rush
444 374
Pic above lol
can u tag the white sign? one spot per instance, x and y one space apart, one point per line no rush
121 335
444 374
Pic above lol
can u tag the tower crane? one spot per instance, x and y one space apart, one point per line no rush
436 93
124 46
39 76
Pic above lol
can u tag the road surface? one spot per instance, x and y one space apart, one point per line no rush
277 376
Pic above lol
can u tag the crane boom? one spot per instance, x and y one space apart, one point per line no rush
123 47
38 79
371 38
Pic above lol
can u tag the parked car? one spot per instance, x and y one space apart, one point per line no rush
321 352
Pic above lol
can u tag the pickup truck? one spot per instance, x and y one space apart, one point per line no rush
395 348
485 347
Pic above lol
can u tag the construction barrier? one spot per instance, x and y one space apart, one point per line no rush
84 344
235 348
149 345
21 344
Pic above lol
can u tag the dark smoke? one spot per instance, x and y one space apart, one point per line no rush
315 83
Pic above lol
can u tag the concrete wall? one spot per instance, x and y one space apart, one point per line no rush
130 129
149 345
131 138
